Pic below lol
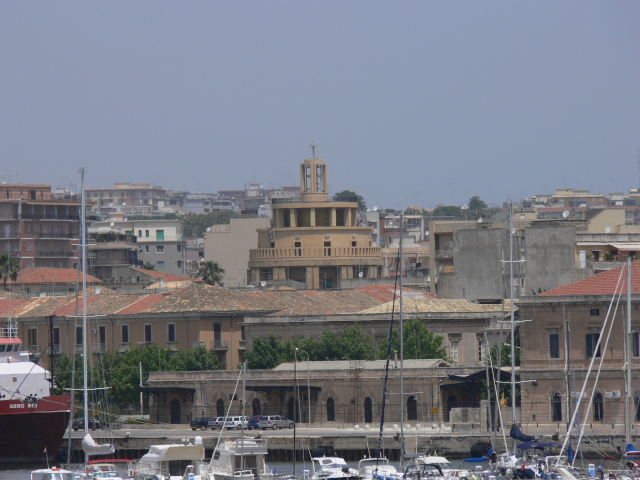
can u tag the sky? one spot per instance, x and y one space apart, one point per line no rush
413 103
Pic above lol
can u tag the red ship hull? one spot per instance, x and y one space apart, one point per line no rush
27 429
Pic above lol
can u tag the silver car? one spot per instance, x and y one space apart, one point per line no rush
215 422
238 422
275 422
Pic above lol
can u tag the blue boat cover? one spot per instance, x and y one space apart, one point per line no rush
529 445
517 434
632 451
480 459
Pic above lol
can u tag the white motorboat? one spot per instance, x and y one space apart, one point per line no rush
172 462
53 473
441 464
241 459
332 468
378 469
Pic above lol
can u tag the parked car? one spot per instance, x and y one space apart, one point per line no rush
199 423
254 422
94 424
236 422
215 422
275 422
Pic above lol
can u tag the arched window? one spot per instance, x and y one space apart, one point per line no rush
331 410
556 407
636 400
256 406
412 408
220 408
598 411
368 410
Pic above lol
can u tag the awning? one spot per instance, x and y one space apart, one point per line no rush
626 247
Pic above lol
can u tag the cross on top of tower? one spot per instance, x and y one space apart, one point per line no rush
313 149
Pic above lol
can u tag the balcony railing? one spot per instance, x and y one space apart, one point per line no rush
219 345
314 252
56 235
10 234
8 332
98 348
124 347
445 253
33 348
55 254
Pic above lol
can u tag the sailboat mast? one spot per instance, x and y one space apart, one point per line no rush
627 404
84 303
401 353
513 345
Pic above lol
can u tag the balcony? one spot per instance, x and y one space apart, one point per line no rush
56 254
219 345
10 234
197 343
56 235
446 253
98 348
314 252
33 348
172 346
124 347
57 349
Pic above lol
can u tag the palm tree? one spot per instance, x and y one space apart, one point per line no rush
211 272
9 268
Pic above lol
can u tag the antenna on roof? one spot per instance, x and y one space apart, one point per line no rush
313 150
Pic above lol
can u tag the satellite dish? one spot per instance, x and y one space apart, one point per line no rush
375 209
208 229
42 294
480 220
607 229
360 274
263 283
124 203
112 224
125 219
98 291
565 214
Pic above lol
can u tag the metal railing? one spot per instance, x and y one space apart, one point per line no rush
98 347
445 253
314 252
219 345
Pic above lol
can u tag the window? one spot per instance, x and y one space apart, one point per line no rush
159 265
592 342
217 335
147 334
556 407
480 351
159 248
368 410
33 337
554 345
453 351
594 312
29 246
146 233
412 408
636 400
179 247
146 248
139 233
354 243
74 247
598 410
79 336
160 235
179 263
171 333
124 329
635 337
56 338
28 228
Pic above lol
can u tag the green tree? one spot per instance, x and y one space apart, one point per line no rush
349 196
448 210
196 224
413 211
211 273
265 353
477 206
419 342
149 266
9 268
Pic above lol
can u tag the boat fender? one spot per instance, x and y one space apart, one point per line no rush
131 473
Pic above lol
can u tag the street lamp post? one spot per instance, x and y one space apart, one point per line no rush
308 389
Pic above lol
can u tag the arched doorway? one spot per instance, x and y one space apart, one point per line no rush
556 407
452 402
412 408
175 411
295 416
256 406
331 410
220 408
368 410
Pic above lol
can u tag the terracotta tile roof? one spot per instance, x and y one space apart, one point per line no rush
601 284
140 305
52 275
168 277
385 293
412 306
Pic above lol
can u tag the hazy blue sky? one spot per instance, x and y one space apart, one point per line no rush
410 103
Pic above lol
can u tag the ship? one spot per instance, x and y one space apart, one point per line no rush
32 421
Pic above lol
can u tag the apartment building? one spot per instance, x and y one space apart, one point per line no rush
126 198
160 242
38 229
